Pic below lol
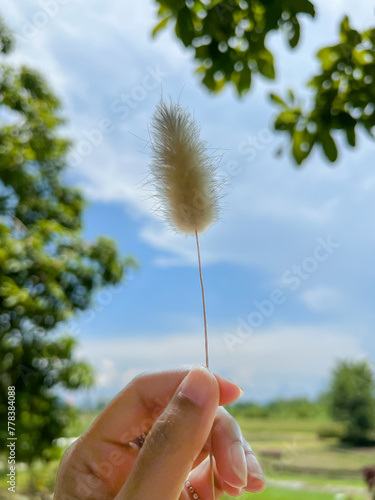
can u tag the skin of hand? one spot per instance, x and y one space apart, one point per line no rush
181 413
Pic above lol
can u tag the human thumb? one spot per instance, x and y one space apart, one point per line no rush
175 440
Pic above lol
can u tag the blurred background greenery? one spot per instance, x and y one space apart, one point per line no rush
308 449
48 272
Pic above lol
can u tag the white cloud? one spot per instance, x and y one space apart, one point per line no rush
106 373
321 298
284 361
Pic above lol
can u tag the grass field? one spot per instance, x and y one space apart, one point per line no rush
272 493
299 448
297 464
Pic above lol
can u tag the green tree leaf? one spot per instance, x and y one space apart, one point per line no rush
294 34
302 145
329 146
161 25
265 64
244 80
185 26
277 99
350 136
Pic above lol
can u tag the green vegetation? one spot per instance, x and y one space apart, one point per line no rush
275 493
229 37
229 41
38 481
287 446
352 400
297 463
298 408
48 271
343 97
299 446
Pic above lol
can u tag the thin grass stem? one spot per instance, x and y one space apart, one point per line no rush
212 475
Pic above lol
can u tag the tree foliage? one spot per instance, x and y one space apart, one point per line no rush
295 408
229 37
47 270
343 97
352 400
6 38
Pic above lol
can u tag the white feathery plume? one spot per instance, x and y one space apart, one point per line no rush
182 171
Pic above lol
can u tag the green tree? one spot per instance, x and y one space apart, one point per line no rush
48 271
229 37
352 400
342 97
229 41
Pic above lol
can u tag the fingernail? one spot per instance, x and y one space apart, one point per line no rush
257 480
238 461
242 392
195 385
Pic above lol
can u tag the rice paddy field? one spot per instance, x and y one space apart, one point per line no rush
298 464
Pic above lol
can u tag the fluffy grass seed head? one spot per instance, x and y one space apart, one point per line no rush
182 171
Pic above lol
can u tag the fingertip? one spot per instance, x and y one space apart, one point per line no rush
256 481
200 386
229 391
255 485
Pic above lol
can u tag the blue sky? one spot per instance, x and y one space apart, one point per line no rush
100 59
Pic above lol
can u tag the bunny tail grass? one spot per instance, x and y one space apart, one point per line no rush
183 175
182 171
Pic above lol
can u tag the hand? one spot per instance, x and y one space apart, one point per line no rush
175 411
